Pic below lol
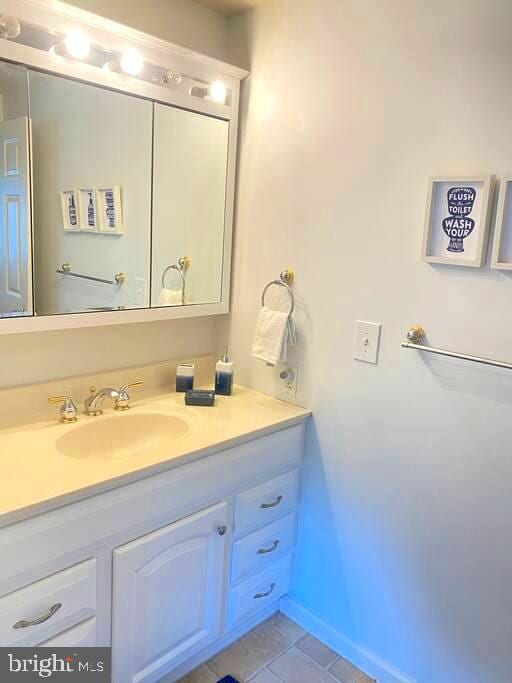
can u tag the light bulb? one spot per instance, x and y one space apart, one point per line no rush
77 44
111 67
171 77
9 27
217 91
57 50
132 62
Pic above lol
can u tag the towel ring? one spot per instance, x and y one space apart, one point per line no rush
182 265
285 277
180 271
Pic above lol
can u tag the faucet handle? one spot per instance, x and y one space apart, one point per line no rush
68 410
123 402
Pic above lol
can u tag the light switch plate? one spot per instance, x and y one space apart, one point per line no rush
367 341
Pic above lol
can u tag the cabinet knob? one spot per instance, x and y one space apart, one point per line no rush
222 530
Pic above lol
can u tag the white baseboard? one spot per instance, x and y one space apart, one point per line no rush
364 660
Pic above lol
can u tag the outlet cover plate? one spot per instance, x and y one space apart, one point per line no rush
367 341
286 386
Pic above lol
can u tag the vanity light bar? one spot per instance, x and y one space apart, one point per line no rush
76 45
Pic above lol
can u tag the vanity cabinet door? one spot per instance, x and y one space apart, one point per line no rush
168 590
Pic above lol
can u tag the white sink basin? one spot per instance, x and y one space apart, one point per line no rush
121 435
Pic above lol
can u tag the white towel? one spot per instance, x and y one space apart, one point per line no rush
170 297
275 331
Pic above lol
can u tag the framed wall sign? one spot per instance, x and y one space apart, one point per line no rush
457 220
70 213
88 213
110 215
502 247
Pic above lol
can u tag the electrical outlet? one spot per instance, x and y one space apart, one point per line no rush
286 379
366 342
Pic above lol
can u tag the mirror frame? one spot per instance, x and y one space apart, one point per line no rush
52 15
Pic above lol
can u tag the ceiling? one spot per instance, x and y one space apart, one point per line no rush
230 7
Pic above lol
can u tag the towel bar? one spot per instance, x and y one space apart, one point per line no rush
65 269
416 334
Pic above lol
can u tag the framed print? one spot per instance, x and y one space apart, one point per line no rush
457 220
88 214
502 247
70 214
110 214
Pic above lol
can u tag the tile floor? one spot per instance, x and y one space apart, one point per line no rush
278 651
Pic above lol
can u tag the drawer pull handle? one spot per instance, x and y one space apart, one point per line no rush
264 551
44 617
266 506
265 595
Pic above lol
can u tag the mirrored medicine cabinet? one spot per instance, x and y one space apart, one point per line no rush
109 201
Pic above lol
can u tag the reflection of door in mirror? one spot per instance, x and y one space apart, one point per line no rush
15 246
189 189
92 196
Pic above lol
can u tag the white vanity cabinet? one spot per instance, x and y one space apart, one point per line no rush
168 569
167 597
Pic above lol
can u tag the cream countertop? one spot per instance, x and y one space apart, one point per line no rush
36 477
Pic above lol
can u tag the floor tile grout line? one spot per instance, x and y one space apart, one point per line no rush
303 654
207 667
338 657
272 659
326 667
291 646
310 659
269 661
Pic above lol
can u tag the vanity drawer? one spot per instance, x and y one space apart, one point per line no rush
259 550
265 503
56 602
83 635
259 591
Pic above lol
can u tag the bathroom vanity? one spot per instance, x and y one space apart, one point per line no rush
168 551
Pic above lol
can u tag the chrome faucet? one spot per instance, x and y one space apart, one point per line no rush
68 410
121 399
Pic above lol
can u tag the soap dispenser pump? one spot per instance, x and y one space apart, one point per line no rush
224 375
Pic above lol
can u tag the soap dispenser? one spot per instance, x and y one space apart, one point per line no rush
224 375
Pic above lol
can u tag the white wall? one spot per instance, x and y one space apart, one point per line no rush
184 22
37 357
404 544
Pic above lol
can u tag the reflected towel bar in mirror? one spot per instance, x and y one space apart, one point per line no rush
285 277
416 334
65 269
